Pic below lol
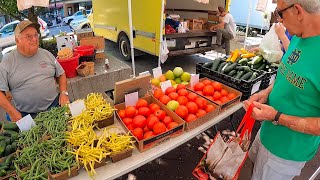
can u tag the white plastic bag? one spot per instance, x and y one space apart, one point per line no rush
181 29
25 4
271 47
164 51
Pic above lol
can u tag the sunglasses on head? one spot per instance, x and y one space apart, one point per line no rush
279 14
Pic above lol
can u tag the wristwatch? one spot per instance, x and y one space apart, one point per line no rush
65 93
275 121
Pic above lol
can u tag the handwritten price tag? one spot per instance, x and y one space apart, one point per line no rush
157 72
26 123
131 99
164 85
77 107
194 79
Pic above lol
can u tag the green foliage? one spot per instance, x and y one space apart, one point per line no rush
50 45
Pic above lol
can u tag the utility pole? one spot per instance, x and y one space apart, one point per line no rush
55 7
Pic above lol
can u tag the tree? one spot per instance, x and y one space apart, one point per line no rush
9 7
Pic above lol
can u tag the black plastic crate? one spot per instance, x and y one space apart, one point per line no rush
268 76
246 87
90 58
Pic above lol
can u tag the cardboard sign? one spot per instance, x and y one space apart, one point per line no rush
272 78
164 85
97 41
194 79
131 99
157 72
77 107
144 73
255 87
66 41
26 123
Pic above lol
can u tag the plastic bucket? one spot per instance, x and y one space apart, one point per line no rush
70 65
84 50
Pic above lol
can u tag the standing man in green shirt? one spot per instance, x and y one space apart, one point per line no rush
290 108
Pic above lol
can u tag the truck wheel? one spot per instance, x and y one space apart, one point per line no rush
85 26
124 48
69 21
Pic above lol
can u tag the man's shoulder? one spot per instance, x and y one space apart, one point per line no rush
9 58
44 51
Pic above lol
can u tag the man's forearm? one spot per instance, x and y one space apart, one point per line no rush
6 105
62 82
300 124
268 90
285 42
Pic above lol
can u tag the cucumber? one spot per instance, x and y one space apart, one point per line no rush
224 67
256 66
8 141
262 67
239 68
7 151
3 138
239 74
232 73
10 133
257 60
11 126
221 66
247 69
246 76
215 64
3 173
9 159
207 65
244 61
230 68
14 146
253 76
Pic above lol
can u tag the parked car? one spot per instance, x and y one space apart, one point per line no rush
79 24
7 32
75 16
49 22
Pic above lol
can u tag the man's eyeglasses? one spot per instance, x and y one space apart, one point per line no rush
30 37
279 14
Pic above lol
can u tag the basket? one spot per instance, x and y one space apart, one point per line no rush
83 70
91 67
70 65
85 50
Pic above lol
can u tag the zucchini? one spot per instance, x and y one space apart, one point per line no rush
257 60
7 151
246 76
253 76
9 159
207 65
11 126
215 64
230 68
239 68
14 146
3 173
262 67
2 146
232 73
247 69
8 141
224 67
10 133
239 74
244 61
2 138
256 66
221 66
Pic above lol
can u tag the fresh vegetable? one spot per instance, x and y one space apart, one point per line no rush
215 64
10 126
246 76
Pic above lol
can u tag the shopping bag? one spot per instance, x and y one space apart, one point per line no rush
164 51
270 46
25 4
224 159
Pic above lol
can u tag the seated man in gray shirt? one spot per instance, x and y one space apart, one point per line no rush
35 79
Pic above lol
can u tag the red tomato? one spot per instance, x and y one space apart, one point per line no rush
141 103
192 96
183 92
199 86
130 111
190 117
192 107
159 128
130 127
146 129
139 121
144 111
148 134
138 133
209 108
173 96
166 120
208 90
207 82
224 99
170 90
164 99
153 107
201 113
182 111
122 113
201 102
172 125
224 92
217 86
200 92
180 86
217 96
182 100
127 121
152 120
158 93
160 114
231 96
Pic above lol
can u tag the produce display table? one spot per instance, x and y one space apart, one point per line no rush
114 170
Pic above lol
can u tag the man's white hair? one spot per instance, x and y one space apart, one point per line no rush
311 6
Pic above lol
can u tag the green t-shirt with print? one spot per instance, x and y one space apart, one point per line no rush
296 92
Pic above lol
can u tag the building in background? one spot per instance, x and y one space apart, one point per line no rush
72 6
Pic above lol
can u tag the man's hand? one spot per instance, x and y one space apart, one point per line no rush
280 30
260 97
16 116
63 99
263 112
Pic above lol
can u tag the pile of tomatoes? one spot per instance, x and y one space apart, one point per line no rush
191 106
214 91
146 120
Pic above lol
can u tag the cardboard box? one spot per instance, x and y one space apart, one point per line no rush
100 56
146 144
213 18
74 171
97 41
84 35
195 24
225 105
199 121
